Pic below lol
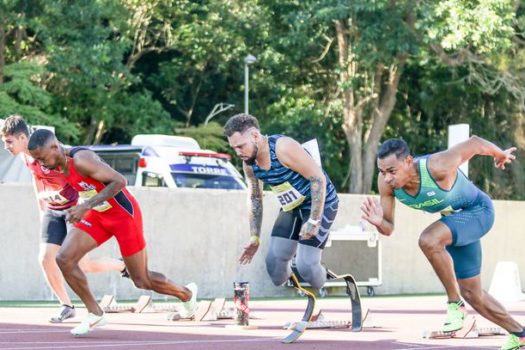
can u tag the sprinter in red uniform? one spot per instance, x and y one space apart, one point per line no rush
105 209
54 196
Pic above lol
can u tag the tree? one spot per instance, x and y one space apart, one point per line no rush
364 47
202 65
86 51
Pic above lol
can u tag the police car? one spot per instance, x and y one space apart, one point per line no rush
171 161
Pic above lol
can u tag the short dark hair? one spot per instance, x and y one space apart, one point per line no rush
40 138
14 125
240 123
393 146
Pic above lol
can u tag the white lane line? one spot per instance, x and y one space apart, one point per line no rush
28 331
76 345
436 347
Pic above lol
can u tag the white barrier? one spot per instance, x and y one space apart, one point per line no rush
505 285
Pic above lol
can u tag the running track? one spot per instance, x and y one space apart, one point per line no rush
393 324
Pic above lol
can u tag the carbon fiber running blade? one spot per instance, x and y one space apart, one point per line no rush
297 331
299 328
355 300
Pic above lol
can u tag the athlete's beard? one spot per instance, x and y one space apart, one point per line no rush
251 161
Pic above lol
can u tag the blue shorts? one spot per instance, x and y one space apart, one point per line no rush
289 223
467 227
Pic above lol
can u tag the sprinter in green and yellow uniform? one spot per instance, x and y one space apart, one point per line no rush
435 184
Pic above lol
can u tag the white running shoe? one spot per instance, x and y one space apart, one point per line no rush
91 322
189 307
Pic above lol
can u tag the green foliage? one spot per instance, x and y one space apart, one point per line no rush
203 65
85 57
483 26
136 113
209 136
303 119
22 94
436 97
104 70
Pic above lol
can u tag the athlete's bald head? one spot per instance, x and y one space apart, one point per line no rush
40 138
45 148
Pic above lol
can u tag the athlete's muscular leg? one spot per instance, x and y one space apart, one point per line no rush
432 242
75 246
103 264
137 265
486 305
47 258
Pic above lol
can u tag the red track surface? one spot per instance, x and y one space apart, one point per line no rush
393 323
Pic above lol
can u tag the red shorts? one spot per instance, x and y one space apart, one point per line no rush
125 226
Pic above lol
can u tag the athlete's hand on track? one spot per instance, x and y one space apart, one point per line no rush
372 211
76 213
249 252
505 158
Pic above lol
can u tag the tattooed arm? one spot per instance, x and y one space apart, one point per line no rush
292 155
255 213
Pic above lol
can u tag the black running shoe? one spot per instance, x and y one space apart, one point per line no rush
124 273
65 312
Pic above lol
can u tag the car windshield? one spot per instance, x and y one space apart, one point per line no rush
124 163
206 181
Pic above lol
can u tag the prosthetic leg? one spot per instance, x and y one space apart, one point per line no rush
299 327
355 299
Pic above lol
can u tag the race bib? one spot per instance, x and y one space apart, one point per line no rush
85 195
53 197
288 196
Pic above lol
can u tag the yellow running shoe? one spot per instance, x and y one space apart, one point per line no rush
513 342
455 316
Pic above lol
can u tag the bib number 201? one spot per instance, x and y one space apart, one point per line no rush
288 196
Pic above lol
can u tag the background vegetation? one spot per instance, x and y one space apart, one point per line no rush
351 73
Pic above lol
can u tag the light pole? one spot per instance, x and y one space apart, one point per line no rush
249 59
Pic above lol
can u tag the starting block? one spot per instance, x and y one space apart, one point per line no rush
109 304
469 330
208 311
488 331
319 322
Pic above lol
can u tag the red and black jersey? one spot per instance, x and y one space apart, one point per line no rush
88 187
51 186
118 216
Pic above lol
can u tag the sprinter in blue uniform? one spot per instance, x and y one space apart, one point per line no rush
435 184
307 197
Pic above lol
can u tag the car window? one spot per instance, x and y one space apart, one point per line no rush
150 179
124 163
206 181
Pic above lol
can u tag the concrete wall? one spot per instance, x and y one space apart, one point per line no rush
197 235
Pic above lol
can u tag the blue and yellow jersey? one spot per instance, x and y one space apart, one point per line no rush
291 188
